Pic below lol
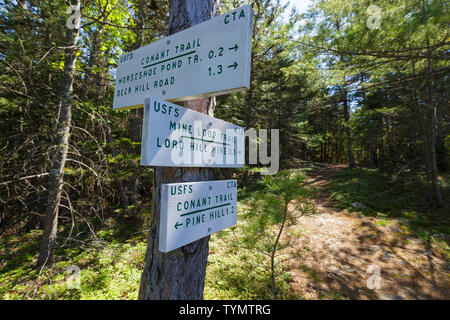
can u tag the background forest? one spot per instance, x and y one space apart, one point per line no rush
358 85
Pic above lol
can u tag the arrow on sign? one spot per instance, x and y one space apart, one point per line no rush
234 48
177 225
233 65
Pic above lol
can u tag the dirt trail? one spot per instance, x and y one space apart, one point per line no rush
339 256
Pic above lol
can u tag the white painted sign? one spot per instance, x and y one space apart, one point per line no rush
174 136
194 210
210 58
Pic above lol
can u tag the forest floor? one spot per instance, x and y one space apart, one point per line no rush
366 223
339 253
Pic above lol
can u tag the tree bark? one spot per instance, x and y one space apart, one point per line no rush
430 126
109 137
179 274
136 115
431 142
135 132
351 158
61 145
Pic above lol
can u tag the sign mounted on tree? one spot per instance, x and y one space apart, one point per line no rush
174 136
210 58
194 210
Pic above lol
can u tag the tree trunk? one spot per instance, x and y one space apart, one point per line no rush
61 145
136 115
441 150
179 274
431 140
135 132
381 156
109 137
351 159
430 127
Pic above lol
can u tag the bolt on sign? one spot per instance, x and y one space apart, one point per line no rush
174 136
194 210
210 58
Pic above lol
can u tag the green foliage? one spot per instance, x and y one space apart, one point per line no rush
109 270
400 199
303 72
272 211
239 262
280 87
236 273
384 70
380 191
281 202
111 265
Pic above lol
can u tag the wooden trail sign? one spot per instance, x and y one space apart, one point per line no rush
210 58
194 210
174 136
